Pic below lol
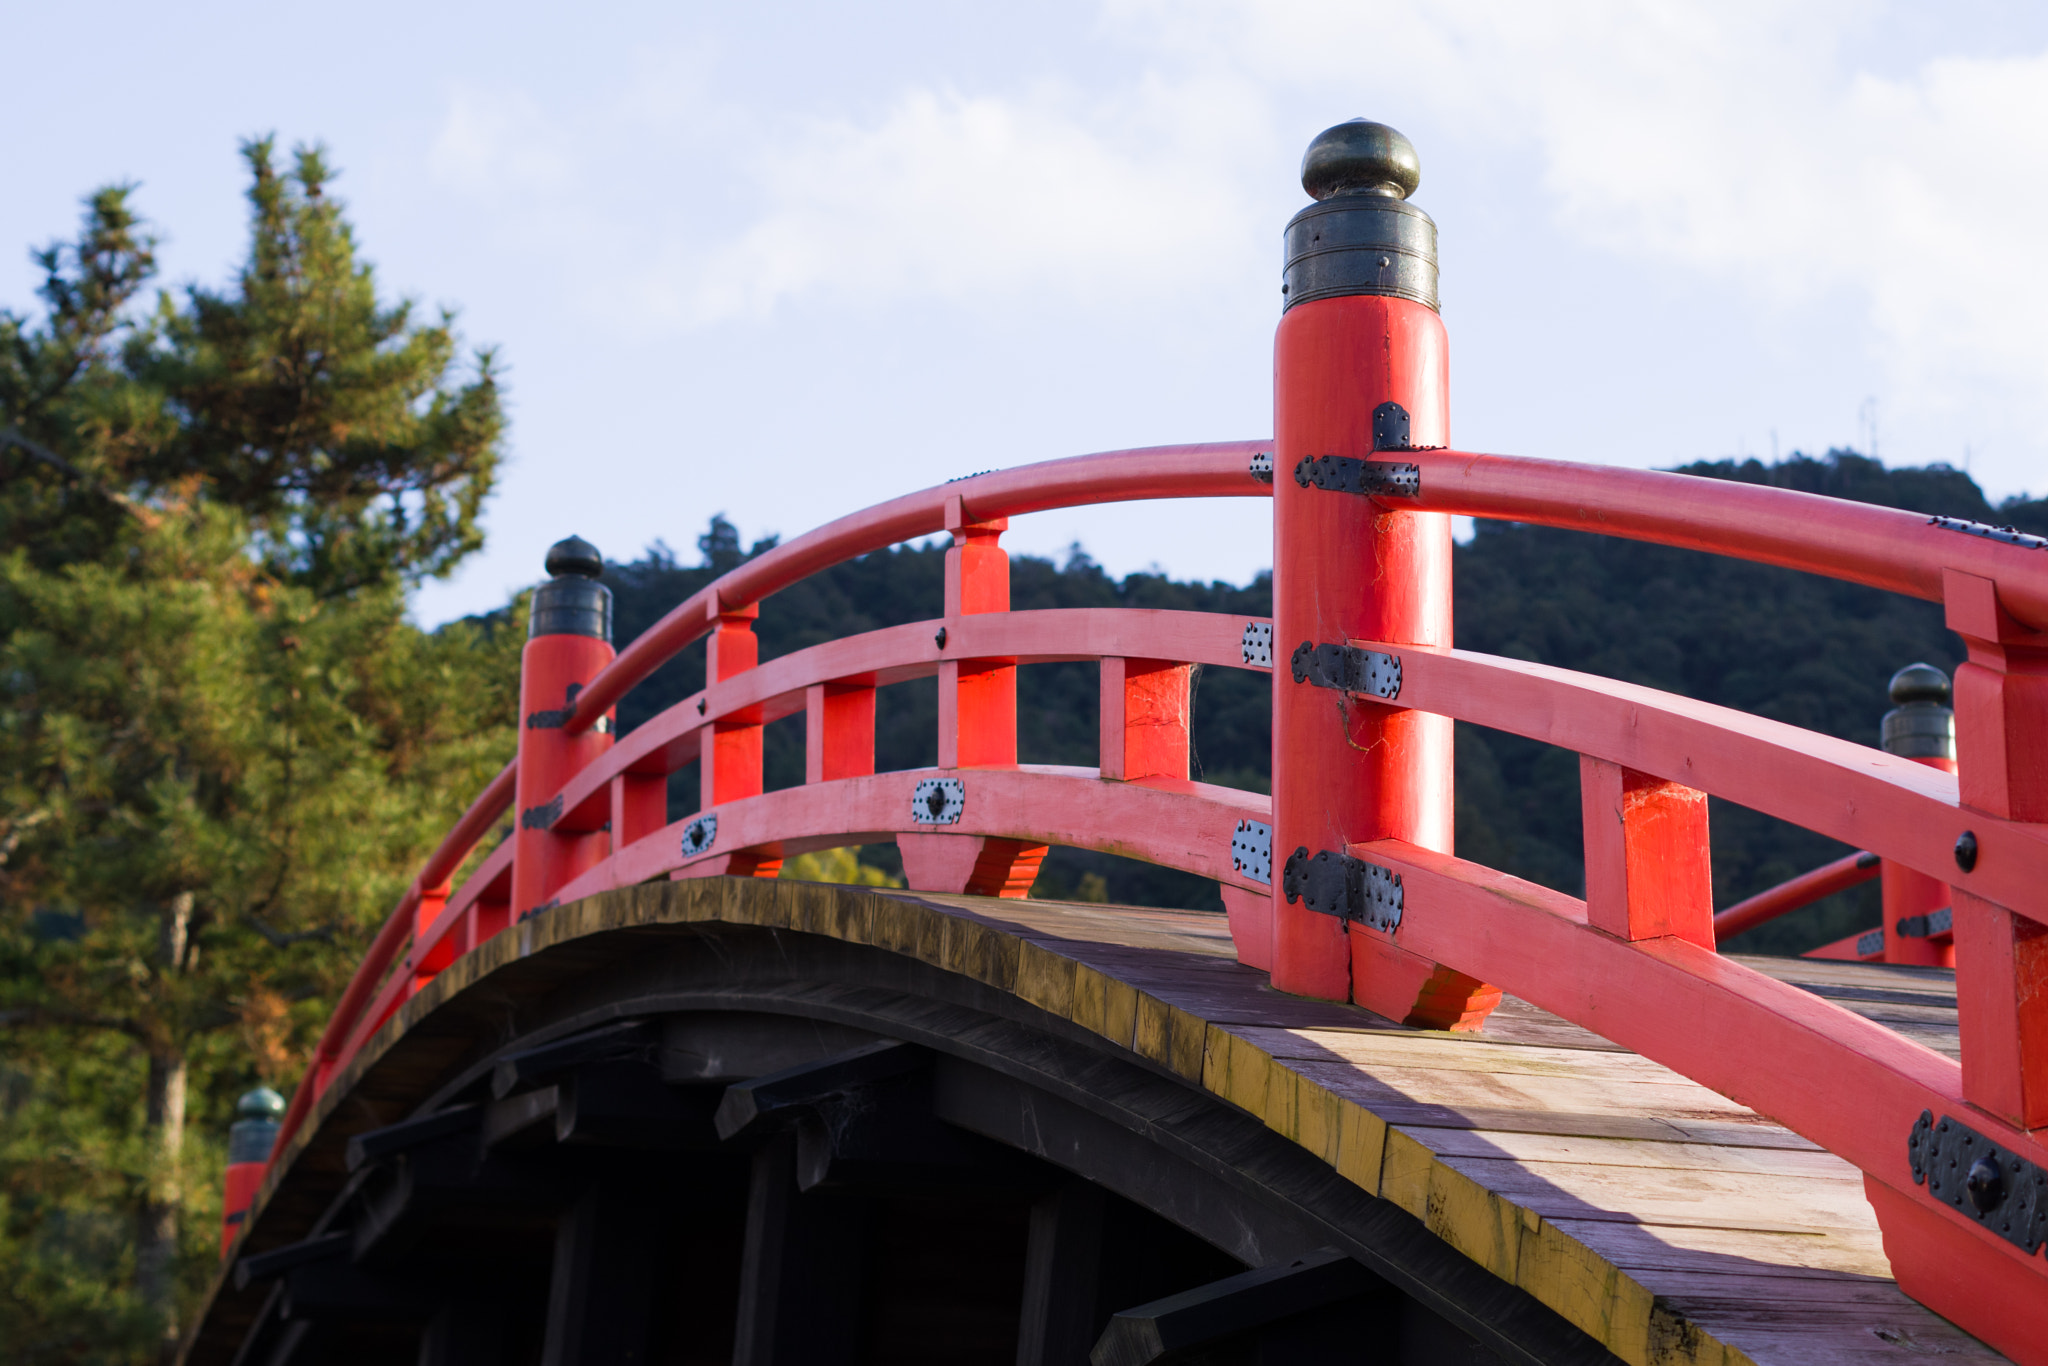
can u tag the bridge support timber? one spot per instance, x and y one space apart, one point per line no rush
642 1125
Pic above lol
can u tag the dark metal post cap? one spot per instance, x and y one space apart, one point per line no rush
261 1103
574 555
1360 157
1920 683
572 602
1920 724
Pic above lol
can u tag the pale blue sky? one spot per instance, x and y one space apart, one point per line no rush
784 261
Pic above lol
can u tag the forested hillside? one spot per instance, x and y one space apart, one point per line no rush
1809 651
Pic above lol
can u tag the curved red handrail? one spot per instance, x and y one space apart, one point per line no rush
1882 547
1851 870
1902 552
1215 469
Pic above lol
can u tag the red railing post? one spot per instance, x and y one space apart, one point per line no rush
1919 726
569 640
1648 868
2001 697
839 731
250 1141
2001 726
1144 718
977 723
1360 374
729 758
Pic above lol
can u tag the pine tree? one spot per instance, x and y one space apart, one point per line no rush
223 747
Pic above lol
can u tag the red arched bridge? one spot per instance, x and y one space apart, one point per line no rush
619 1095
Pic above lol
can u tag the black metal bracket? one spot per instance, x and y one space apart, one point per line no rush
1347 668
1999 1189
1369 478
700 834
543 816
1927 926
1261 468
2008 534
1390 427
554 718
1346 887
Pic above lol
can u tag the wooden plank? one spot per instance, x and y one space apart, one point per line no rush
1539 1094
1457 1053
1650 1251
1588 1150
1775 1203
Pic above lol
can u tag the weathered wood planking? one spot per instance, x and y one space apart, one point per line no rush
1669 1223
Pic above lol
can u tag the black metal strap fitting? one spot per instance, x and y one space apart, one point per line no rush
1999 1189
1346 887
543 816
1368 478
1348 668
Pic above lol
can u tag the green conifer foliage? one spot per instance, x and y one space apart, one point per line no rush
223 747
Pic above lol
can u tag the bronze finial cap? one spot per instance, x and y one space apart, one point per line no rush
1361 236
1360 157
574 555
1919 683
1920 724
572 602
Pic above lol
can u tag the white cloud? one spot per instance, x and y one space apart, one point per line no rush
955 196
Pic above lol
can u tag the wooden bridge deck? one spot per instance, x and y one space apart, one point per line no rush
1669 1223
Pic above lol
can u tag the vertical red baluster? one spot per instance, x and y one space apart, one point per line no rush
639 807
1145 718
1648 868
977 724
433 903
2001 696
2001 720
839 731
1360 372
729 763
1920 726
569 640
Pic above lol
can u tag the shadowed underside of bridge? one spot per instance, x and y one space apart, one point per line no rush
761 1121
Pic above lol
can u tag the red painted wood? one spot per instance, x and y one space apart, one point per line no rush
1343 566
729 753
1145 715
1847 949
1251 925
551 669
1648 871
839 731
1886 548
2001 702
669 741
971 865
979 728
1217 469
1851 870
1907 893
238 1192
1859 795
639 807
1176 823
1849 1084
1988 1286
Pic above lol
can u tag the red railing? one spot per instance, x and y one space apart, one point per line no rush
1634 961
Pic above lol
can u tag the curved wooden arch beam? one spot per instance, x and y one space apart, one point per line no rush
1171 822
1898 808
